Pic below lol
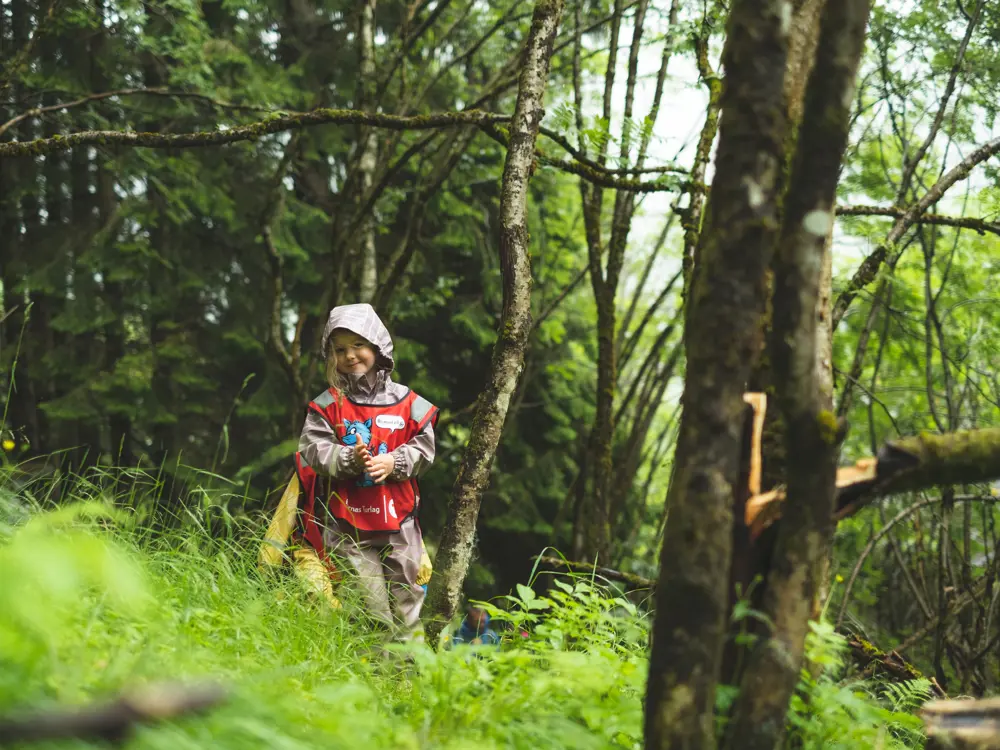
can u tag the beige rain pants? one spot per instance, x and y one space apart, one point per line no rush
386 566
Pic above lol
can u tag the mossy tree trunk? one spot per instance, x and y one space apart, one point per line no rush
458 537
810 427
724 319
752 558
803 38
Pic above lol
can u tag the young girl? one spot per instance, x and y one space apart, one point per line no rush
364 442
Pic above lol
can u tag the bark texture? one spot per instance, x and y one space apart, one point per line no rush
727 294
458 538
810 427
803 38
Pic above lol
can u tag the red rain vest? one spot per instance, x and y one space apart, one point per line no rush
356 500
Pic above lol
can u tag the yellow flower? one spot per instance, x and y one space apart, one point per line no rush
8 445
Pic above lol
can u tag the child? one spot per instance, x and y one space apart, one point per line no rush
475 629
367 438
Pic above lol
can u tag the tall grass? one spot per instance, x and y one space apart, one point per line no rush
91 603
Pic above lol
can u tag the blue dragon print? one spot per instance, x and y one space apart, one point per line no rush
358 432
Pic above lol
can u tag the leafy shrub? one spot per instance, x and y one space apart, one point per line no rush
829 713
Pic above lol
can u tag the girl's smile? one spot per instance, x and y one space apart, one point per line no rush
355 356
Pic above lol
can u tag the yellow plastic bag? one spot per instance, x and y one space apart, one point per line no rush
314 574
306 563
279 531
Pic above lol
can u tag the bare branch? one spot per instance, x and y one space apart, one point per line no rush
870 266
911 164
581 274
35 112
982 226
581 157
626 322
600 177
692 215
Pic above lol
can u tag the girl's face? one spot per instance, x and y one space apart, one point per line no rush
355 356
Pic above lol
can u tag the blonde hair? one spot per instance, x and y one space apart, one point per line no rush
335 379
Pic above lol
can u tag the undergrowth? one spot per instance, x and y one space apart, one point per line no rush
91 605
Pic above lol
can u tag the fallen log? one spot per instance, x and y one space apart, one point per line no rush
113 721
962 724
872 660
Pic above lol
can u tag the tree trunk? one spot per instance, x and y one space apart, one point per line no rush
803 37
752 559
811 429
17 410
49 299
24 413
119 418
458 537
597 517
164 307
725 311
368 143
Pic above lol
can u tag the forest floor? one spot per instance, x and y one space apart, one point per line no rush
92 606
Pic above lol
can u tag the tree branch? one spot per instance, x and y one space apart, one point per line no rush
36 111
251 131
870 266
612 575
585 160
598 176
982 226
907 464
581 274
871 658
911 164
691 217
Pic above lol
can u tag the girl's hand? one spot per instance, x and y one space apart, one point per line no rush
379 467
361 451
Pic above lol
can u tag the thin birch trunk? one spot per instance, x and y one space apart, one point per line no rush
458 538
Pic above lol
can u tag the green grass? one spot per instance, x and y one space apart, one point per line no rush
91 605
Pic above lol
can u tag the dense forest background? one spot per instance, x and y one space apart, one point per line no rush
162 306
